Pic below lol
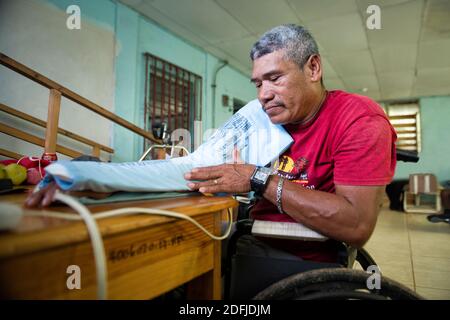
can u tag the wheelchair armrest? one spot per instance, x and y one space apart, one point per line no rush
244 209
244 226
407 156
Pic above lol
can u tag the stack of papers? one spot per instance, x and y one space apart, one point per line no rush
285 230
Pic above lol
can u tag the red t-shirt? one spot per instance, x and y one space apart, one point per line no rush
349 142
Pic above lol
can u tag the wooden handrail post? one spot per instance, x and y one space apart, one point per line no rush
46 82
51 132
96 151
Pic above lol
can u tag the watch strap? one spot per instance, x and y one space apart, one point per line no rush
258 187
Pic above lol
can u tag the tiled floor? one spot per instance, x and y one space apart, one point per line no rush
413 251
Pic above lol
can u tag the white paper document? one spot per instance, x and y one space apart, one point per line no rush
249 131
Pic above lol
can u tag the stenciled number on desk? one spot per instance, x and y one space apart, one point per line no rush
136 249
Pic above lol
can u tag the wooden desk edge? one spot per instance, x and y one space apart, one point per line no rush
15 243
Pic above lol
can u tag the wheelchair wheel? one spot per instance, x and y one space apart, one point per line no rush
335 284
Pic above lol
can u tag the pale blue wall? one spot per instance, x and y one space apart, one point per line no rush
435 129
159 42
229 82
136 35
100 11
126 102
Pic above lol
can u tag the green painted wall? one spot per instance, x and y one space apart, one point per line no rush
35 33
127 29
231 83
136 35
157 41
101 12
435 129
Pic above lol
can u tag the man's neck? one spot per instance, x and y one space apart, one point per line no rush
316 106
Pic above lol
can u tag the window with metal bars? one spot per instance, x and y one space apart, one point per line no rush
172 95
405 118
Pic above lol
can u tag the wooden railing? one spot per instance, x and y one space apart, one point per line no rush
10 154
19 134
51 125
96 147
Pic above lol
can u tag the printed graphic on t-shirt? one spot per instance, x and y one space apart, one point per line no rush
296 171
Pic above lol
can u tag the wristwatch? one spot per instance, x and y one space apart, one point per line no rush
259 179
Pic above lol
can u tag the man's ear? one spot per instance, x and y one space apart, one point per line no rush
314 64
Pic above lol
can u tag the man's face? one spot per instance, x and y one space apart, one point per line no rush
282 88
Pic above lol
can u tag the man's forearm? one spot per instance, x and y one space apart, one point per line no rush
349 215
330 214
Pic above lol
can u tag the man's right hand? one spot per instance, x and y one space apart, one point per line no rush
43 197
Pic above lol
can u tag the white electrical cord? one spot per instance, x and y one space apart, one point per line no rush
96 239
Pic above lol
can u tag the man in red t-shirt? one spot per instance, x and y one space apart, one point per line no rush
349 142
333 176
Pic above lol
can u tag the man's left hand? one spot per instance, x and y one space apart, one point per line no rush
230 178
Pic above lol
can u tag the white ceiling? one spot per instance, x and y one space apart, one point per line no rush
409 56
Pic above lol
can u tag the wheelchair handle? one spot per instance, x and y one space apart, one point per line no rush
407 156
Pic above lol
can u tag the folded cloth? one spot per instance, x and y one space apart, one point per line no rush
136 196
153 175
249 131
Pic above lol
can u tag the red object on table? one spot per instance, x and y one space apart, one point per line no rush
34 165
47 156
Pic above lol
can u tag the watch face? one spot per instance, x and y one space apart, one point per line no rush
262 176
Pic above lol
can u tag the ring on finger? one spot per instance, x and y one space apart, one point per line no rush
215 181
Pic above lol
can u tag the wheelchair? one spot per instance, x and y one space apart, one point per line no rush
286 278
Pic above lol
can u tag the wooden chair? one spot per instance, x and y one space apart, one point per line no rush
422 185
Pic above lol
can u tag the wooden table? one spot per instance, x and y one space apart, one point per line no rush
146 255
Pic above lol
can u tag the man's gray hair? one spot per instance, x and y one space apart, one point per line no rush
297 42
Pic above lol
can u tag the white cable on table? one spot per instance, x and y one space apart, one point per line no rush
96 239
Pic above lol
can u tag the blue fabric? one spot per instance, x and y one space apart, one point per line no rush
136 196
153 175
250 131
